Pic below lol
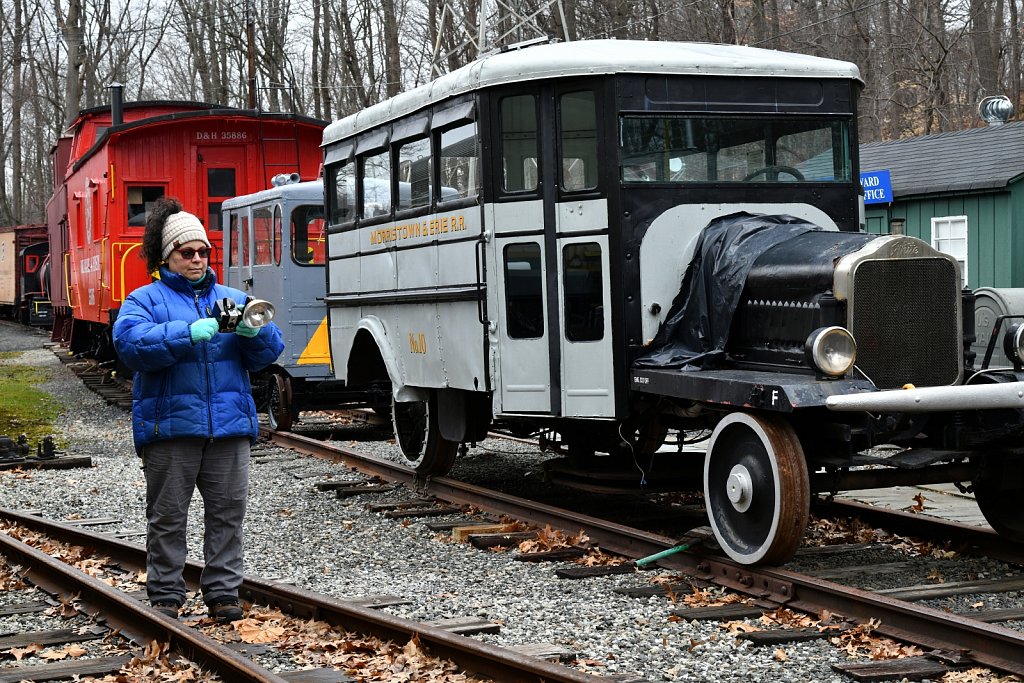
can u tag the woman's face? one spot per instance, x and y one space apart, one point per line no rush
193 268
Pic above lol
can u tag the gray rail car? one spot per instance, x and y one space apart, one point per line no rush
274 245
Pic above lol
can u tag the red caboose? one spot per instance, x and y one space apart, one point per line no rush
114 162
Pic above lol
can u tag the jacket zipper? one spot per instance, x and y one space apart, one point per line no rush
206 374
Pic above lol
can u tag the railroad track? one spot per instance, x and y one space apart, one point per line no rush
128 616
950 640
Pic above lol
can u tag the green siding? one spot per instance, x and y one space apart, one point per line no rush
994 255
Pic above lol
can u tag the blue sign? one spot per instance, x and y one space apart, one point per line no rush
877 187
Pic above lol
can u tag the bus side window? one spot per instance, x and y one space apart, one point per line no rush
341 194
578 130
584 292
460 162
414 173
519 143
524 291
376 185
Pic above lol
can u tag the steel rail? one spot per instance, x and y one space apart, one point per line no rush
982 539
988 644
471 655
140 623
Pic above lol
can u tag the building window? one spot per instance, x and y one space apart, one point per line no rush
949 235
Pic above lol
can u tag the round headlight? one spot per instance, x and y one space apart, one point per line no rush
1013 342
831 351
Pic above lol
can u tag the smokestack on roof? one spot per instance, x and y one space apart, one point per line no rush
116 103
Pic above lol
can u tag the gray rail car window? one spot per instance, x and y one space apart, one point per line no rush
460 162
308 239
706 149
376 185
524 298
414 174
341 195
277 235
583 284
519 143
263 235
578 131
243 241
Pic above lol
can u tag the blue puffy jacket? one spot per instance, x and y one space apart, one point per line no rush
182 388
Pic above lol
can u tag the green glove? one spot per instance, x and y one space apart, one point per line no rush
203 329
243 330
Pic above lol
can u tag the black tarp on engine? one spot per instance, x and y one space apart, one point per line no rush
696 329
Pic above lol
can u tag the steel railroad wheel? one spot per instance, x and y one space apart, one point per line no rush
279 405
419 437
756 488
999 489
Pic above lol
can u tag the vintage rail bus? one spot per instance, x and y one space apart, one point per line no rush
603 242
114 162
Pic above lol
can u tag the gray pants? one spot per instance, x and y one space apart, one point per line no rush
174 469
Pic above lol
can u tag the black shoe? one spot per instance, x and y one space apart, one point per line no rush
225 611
169 609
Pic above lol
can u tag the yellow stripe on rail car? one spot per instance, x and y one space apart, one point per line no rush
318 350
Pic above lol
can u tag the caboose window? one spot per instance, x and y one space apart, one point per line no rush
460 161
140 202
584 297
263 236
709 149
376 185
524 291
519 143
578 129
414 173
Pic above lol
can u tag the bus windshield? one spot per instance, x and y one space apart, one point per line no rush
719 149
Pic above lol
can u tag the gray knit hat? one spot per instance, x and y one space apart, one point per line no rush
181 228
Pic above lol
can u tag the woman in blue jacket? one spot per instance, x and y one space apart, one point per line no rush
193 415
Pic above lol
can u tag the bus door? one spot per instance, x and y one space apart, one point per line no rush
222 175
519 308
580 219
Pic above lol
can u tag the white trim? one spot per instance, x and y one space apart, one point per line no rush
956 244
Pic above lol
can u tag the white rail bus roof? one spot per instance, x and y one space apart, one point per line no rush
593 57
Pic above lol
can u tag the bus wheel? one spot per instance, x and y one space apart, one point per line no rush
756 488
998 488
279 405
419 437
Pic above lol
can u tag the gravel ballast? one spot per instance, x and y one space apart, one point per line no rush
297 534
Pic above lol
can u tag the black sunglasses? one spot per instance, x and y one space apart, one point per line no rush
188 253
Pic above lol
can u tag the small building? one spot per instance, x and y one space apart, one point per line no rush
963 192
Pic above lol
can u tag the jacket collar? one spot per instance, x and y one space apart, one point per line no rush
180 283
